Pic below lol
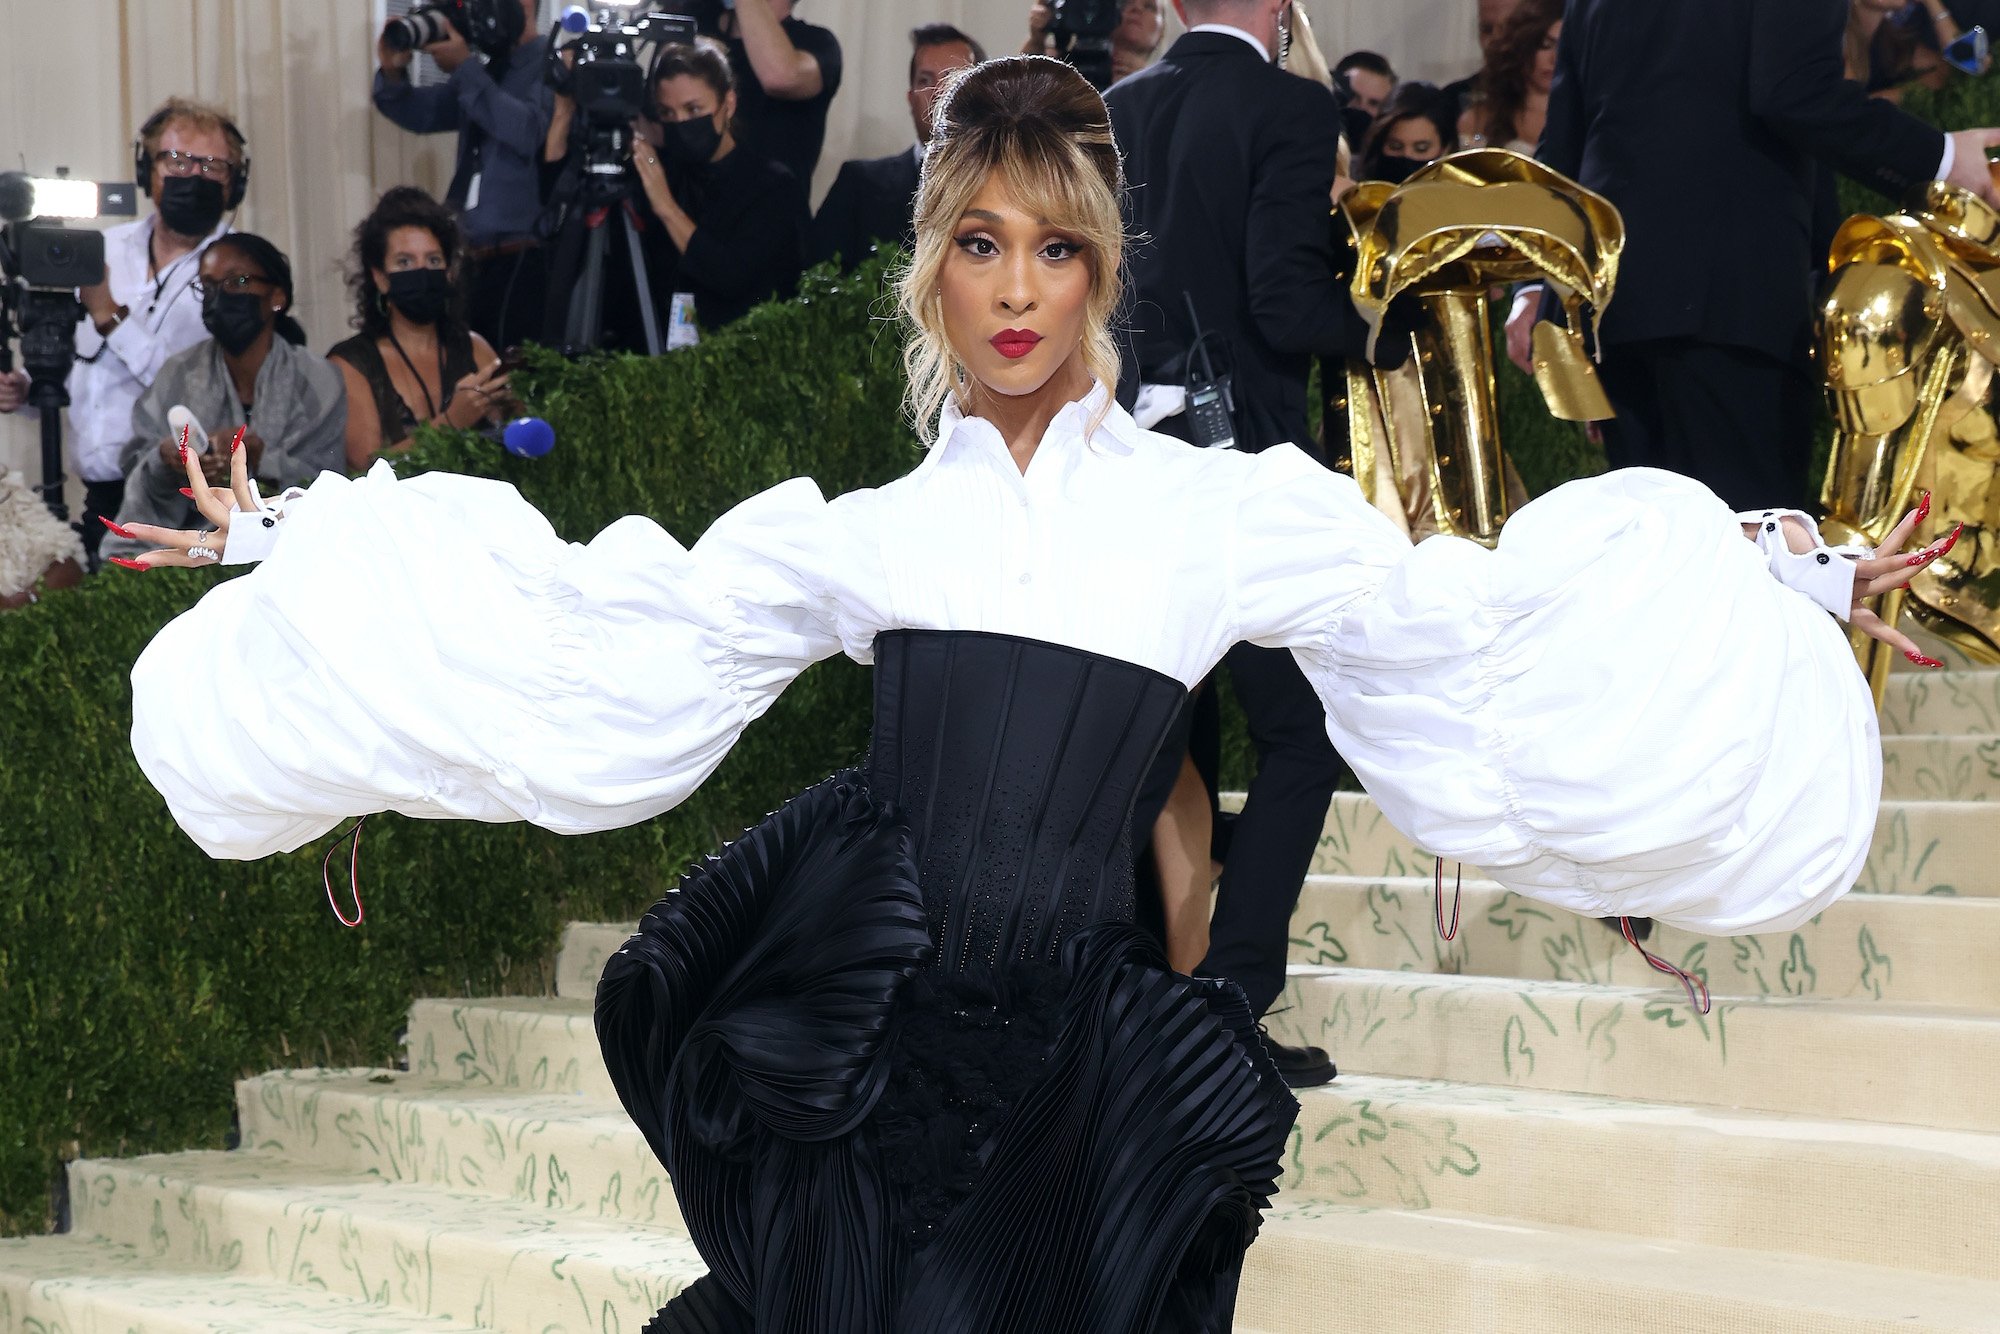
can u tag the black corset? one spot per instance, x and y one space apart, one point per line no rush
1016 763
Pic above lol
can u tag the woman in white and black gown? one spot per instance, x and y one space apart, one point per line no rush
909 1064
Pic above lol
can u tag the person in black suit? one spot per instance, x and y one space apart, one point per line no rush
872 198
1230 164
1705 122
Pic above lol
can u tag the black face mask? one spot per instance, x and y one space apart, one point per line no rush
234 319
191 205
423 295
1396 170
691 142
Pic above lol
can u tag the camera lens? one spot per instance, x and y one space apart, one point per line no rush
60 254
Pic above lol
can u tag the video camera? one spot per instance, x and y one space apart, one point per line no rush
1082 30
42 264
600 68
489 26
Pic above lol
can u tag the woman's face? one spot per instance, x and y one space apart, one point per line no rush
1543 72
408 248
1015 290
224 270
1413 137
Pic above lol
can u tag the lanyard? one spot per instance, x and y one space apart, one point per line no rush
431 409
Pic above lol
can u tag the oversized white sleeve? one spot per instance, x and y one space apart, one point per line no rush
430 646
1618 711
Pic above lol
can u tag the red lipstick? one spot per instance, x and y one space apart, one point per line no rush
1014 344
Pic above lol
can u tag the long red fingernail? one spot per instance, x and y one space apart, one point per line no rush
1920 659
237 443
131 564
1952 540
115 528
188 491
1924 508
1924 557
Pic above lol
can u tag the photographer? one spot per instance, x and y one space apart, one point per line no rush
252 373
190 160
1142 26
787 71
500 109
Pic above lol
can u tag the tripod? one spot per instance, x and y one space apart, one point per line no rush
601 187
47 321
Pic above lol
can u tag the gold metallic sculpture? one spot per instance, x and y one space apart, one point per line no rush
1909 336
1424 440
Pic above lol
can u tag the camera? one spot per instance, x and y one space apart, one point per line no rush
1082 31
42 264
600 67
490 26
707 14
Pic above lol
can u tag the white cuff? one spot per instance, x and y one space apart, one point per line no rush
1948 161
253 535
1825 574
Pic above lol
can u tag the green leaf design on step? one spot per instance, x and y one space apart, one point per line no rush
1876 967
1796 974
157 1235
1748 955
558 1192
1410 1192
1599 1043
1515 915
1321 945
1568 957
1513 1043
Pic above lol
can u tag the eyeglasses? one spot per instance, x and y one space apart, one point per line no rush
235 282
173 162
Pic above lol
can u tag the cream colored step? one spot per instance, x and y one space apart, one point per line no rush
86 1285
1920 847
1941 768
585 947
546 1044
1949 702
1319 1266
1896 947
1852 1191
516 1268
561 1152
1864 1060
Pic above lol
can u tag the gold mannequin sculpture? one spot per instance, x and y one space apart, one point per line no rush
1909 334
1424 440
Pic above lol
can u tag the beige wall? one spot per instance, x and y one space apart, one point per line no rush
77 75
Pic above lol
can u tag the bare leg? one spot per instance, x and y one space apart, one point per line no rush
1180 849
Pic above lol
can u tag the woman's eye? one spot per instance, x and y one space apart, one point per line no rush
1060 250
978 245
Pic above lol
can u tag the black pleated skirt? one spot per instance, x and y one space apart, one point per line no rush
863 1143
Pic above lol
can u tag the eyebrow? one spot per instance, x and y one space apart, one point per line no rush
985 215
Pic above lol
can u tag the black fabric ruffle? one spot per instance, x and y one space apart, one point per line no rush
861 1143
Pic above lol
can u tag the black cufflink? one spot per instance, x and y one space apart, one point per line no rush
270 523
1770 527
1824 558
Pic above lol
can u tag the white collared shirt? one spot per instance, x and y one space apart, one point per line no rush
110 374
1257 43
1525 710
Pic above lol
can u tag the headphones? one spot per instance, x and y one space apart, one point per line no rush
142 161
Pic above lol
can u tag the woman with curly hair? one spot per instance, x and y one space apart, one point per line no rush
1511 98
908 1061
412 359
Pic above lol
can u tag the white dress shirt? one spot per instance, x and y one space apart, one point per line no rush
1255 41
110 374
1617 711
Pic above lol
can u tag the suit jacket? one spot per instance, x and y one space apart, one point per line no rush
1230 163
872 200
1703 121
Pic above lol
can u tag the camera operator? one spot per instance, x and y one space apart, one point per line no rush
190 159
500 109
787 71
873 198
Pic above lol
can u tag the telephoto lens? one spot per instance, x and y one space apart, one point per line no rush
416 29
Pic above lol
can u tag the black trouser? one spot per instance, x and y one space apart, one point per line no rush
1271 847
99 499
1736 420
504 295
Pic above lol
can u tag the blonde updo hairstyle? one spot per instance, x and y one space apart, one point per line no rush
1043 129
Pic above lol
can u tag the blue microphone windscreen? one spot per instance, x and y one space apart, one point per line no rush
528 437
575 19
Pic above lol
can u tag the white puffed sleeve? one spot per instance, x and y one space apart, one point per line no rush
1618 710
430 646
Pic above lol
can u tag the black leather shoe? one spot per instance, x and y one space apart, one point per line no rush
1299 1067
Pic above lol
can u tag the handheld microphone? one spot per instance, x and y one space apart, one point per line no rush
528 437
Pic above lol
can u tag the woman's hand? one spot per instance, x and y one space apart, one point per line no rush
478 396
653 180
186 547
1888 569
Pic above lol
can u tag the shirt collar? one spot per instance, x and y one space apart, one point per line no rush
1257 42
1116 435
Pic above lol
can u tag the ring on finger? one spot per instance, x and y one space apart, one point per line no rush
204 553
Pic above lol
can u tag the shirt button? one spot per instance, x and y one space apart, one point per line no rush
1027 578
